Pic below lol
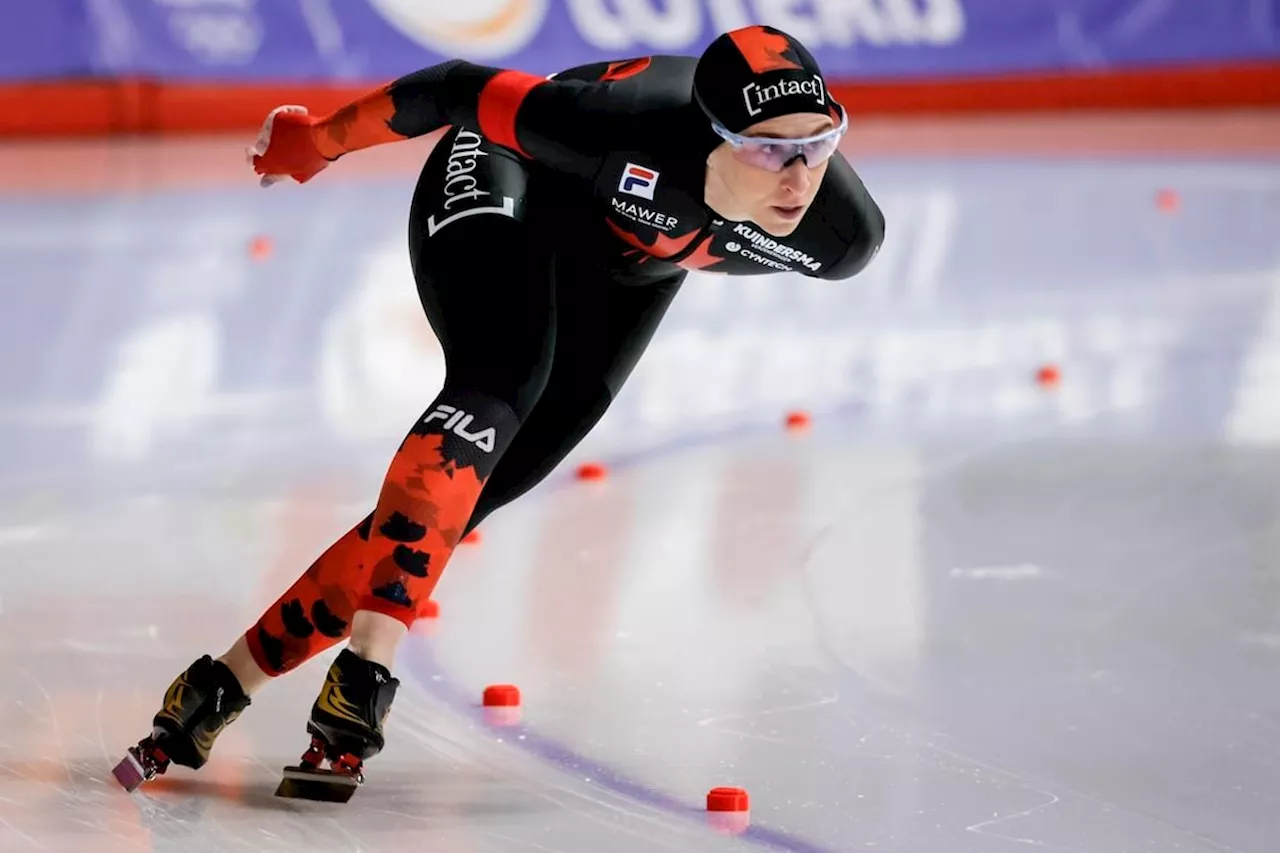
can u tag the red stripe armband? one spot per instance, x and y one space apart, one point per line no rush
500 101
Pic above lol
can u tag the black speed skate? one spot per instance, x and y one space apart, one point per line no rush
346 729
198 705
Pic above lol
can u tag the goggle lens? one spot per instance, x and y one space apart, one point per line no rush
775 154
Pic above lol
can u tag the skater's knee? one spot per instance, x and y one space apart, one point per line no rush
474 427
565 414
516 384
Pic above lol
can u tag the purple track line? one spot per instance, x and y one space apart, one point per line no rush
422 663
421 660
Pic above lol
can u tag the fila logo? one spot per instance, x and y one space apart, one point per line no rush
637 180
457 421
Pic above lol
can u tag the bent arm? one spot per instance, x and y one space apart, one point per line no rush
862 220
557 122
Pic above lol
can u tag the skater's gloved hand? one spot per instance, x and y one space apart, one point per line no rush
286 147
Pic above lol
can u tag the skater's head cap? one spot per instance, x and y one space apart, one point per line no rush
756 73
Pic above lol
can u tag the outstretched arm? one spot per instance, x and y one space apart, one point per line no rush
557 122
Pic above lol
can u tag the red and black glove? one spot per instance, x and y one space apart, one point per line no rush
286 147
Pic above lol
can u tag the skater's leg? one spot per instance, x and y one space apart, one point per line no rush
311 616
484 280
470 286
602 329
244 666
485 284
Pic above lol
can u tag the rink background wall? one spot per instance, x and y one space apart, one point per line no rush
96 67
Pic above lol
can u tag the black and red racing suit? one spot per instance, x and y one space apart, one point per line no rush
551 227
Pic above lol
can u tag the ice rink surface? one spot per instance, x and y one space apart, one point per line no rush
965 612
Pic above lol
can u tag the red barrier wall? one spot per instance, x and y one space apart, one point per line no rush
100 107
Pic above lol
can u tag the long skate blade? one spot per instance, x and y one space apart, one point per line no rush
326 786
129 773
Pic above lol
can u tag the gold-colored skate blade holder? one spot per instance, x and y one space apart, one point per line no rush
326 786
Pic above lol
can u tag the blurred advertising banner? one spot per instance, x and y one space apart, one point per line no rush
316 41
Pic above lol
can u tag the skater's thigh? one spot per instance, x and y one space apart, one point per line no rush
604 327
602 330
483 275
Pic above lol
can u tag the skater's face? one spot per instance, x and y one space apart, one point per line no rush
742 179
